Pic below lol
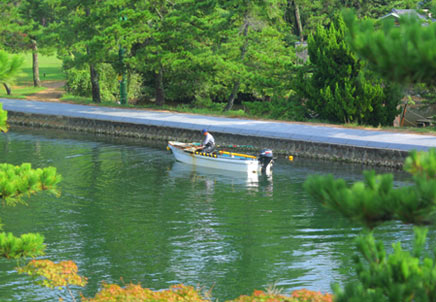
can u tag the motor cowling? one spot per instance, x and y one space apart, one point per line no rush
266 160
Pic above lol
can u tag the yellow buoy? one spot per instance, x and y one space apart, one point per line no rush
291 158
168 148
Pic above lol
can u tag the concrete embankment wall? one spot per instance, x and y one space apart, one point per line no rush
281 147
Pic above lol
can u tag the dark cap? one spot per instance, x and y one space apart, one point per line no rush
203 131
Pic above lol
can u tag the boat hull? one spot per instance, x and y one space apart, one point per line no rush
246 165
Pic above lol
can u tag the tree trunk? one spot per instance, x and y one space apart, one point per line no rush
35 64
8 89
298 18
403 115
160 92
95 85
237 83
233 95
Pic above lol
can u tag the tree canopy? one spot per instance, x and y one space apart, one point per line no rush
213 53
403 53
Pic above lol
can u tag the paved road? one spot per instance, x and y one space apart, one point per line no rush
284 130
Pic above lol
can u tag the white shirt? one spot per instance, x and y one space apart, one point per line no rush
208 139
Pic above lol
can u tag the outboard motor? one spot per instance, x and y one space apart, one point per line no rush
266 160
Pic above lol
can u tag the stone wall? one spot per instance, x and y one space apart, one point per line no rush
280 147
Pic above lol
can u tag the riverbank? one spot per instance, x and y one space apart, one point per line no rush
369 147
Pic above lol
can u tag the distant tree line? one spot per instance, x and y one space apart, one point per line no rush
210 53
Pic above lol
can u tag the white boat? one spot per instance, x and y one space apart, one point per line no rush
187 153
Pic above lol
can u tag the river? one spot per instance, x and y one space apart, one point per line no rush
129 213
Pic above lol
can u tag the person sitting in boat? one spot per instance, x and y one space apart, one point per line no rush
208 144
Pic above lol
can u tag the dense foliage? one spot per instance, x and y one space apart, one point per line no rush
404 54
135 292
401 275
301 295
27 245
337 87
375 200
19 181
53 275
217 54
10 66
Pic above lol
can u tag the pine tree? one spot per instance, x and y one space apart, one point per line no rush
404 53
10 66
17 182
402 275
336 85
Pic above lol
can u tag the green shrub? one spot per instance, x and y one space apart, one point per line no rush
279 108
109 85
134 89
78 83
207 103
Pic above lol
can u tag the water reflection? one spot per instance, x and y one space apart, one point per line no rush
131 211
210 177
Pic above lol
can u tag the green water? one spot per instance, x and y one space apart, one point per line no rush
129 213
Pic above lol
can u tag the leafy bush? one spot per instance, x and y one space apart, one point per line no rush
279 109
207 103
109 85
386 109
78 82
134 89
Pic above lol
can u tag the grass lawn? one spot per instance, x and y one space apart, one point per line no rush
50 69
20 92
77 99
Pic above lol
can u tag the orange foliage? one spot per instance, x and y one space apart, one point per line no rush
64 273
304 295
134 292
181 293
261 296
59 274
